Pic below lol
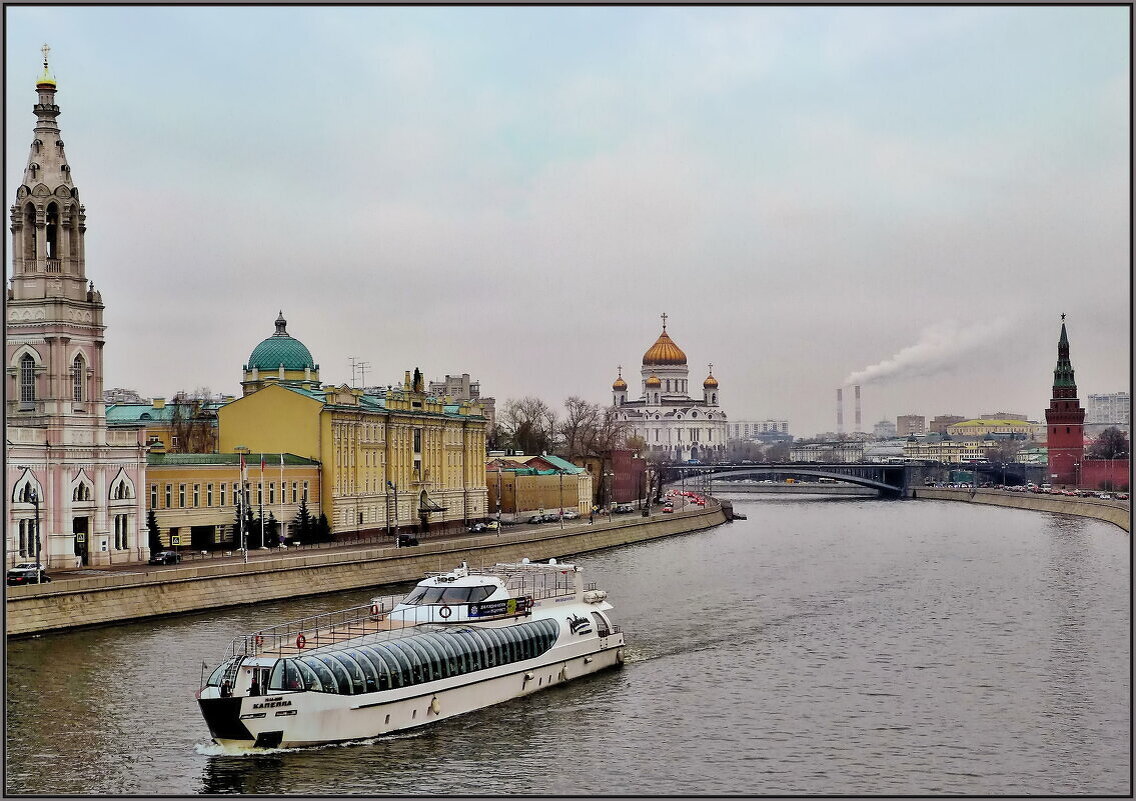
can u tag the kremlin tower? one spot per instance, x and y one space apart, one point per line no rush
1065 420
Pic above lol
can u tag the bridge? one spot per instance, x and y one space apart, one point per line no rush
890 480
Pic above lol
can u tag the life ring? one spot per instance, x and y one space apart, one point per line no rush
374 609
300 641
259 641
445 611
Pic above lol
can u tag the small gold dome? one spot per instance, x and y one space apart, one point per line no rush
619 384
654 382
664 351
711 382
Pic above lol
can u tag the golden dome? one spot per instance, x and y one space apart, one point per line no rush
654 381
664 351
619 384
711 382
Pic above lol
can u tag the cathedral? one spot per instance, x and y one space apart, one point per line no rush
673 426
72 485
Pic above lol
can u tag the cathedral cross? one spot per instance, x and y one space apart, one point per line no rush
45 50
1062 317
664 315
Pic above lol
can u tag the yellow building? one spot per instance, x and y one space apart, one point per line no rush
947 451
194 495
980 428
401 459
534 484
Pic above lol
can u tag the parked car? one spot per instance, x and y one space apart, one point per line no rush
536 519
1104 496
569 515
668 510
26 572
165 558
1122 496
405 540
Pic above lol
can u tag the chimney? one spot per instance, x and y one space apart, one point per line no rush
858 428
839 411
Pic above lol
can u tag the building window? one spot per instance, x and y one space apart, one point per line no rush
181 496
259 493
169 496
196 495
208 494
27 379
153 496
224 486
295 492
305 496
77 375
271 492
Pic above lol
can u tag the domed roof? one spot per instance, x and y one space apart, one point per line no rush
280 349
664 351
653 381
710 382
619 383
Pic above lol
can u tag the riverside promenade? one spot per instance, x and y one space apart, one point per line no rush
1111 511
129 592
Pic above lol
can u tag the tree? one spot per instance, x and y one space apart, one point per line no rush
589 429
528 424
155 535
1004 451
322 529
193 423
1111 444
304 524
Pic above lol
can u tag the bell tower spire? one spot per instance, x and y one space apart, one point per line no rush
49 224
1065 419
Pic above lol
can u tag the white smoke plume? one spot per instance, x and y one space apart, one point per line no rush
940 347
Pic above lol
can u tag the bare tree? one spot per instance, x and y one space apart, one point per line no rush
193 422
1111 444
578 428
528 423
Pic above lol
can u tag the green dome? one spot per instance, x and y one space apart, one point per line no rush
280 349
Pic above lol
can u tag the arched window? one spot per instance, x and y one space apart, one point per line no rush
29 233
82 492
27 379
78 373
52 231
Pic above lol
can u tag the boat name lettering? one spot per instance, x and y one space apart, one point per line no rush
510 606
270 704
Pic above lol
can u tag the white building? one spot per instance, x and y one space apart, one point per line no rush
674 426
72 485
754 429
1114 408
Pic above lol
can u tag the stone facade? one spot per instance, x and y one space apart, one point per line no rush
74 488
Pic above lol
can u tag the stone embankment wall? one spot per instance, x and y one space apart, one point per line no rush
127 596
1118 512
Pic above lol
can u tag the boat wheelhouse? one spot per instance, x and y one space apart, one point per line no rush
457 642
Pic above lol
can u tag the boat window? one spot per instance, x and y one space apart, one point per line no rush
455 665
455 595
370 671
445 663
495 650
431 663
311 680
473 648
326 677
480 593
405 663
355 671
218 675
414 596
486 651
398 663
381 667
433 595
602 629
342 678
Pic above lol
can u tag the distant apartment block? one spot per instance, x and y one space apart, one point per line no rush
938 425
828 452
1003 416
885 429
120 395
909 424
1114 408
758 429
460 387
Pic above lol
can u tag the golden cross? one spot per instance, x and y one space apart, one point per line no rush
45 49
664 321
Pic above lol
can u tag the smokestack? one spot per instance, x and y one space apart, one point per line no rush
858 428
839 411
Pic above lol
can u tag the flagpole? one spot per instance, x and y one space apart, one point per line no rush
261 499
280 536
242 472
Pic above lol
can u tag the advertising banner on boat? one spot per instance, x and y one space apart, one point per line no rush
510 606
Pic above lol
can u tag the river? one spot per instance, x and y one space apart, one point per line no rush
824 645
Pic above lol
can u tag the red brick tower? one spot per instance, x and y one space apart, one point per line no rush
1065 420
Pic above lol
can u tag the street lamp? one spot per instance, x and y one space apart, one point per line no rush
242 501
394 488
607 495
34 498
561 472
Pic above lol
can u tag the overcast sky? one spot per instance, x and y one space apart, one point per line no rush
908 197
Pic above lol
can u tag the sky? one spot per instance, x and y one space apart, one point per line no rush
908 198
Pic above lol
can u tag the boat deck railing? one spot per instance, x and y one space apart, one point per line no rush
331 628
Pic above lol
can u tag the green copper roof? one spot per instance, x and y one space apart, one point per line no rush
252 460
280 349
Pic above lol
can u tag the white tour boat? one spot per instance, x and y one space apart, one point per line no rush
459 641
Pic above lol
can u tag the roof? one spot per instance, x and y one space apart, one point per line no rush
664 351
990 423
281 349
556 462
252 460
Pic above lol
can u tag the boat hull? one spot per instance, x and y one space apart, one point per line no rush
299 719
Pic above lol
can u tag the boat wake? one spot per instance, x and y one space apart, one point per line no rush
216 750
